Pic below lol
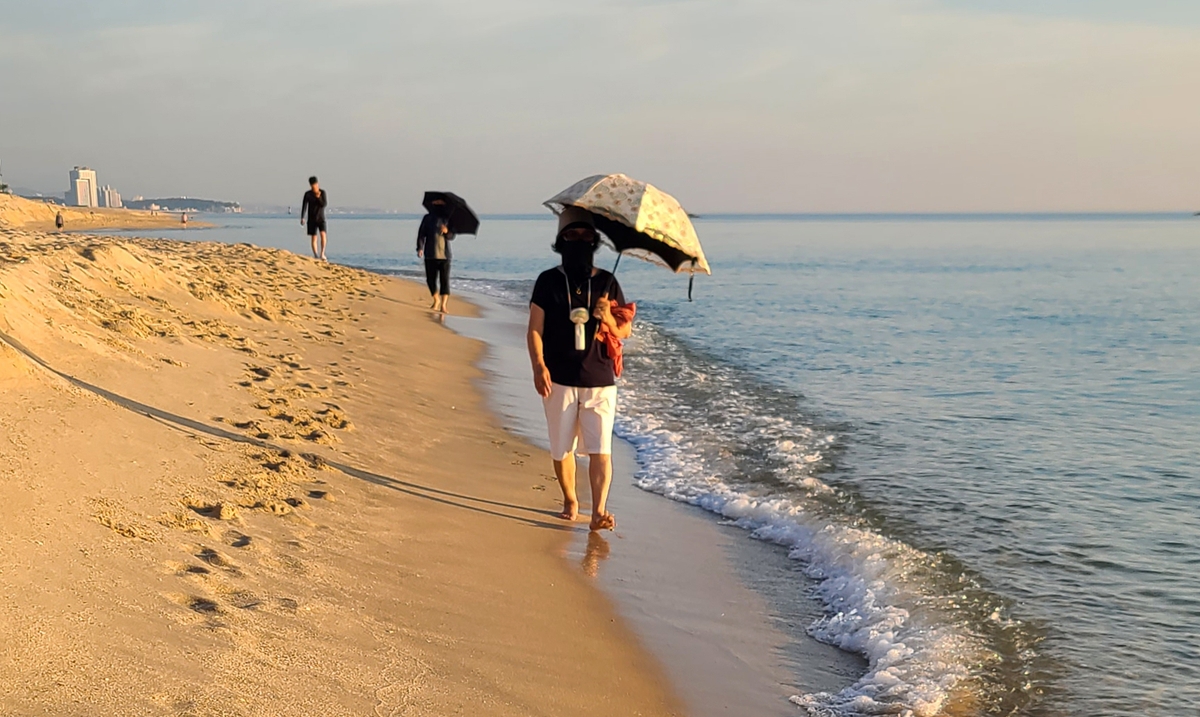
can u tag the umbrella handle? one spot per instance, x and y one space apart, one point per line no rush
613 278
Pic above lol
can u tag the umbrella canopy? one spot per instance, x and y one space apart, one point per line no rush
638 219
459 217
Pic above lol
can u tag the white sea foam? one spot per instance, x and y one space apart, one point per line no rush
881 602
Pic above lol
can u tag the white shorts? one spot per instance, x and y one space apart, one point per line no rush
573 413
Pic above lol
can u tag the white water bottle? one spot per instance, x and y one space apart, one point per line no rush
579 317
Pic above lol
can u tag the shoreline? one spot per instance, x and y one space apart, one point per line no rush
724 633
23 214
247 482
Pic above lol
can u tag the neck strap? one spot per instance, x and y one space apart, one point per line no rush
567 281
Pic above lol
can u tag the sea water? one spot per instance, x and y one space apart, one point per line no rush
979 435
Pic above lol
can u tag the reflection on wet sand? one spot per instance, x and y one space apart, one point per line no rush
597 552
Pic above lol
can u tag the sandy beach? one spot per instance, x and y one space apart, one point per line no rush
17 212
242 482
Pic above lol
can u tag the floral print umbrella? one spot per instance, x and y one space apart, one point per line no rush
638 219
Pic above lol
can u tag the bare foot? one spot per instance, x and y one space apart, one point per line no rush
604 521
570 510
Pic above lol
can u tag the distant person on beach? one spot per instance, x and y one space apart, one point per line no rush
573 368
313 209
59 221
183 219
433 244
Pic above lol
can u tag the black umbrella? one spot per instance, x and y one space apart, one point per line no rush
459 217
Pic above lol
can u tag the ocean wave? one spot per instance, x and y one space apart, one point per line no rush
703 438
712 436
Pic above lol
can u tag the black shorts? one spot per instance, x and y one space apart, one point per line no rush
317 226
436 269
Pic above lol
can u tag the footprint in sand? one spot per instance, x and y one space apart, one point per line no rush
204 606
298 503
239 540
217 511
215 559
243 600
182 569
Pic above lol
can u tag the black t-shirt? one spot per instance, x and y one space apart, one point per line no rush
314 206
591 367
427 237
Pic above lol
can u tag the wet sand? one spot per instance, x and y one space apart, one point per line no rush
241 482
724 614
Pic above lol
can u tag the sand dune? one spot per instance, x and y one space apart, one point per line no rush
19 213
241 482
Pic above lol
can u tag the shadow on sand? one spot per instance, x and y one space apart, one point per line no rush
192 427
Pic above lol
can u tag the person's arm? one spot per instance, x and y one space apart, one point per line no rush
324 198
421 231
304 208
537 326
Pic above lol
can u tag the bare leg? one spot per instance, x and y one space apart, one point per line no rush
600 477
445 302
316 253
323 246
564 470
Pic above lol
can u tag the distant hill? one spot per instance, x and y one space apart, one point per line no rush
184 204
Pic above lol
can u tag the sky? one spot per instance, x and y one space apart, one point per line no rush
730 105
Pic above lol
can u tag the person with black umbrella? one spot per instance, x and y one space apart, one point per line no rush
448 216
433 244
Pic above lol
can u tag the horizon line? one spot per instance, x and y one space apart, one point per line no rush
368 211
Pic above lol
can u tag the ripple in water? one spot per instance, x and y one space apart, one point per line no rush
936 641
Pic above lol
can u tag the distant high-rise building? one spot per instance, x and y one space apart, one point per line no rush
83 190
110 198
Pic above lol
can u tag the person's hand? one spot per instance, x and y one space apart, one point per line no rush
603 312
541 380
301 221
420 254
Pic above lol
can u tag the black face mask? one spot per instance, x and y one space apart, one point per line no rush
577 259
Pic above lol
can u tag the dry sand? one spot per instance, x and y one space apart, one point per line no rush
237 481
18 212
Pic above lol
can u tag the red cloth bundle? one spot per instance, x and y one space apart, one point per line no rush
624 314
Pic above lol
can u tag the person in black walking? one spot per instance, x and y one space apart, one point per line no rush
58 221
433 244
313 209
